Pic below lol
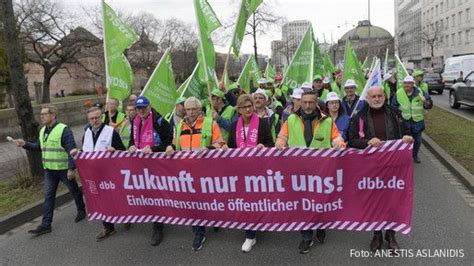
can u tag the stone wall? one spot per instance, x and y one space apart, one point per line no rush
71 113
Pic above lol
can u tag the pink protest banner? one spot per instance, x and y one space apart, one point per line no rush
266 190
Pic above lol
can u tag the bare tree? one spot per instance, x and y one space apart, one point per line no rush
50 40
431 36
287 47
19 89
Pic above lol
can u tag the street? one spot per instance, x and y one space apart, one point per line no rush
443 102
443 219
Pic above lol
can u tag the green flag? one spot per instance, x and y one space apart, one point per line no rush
194 85
251 71
117 38
328 65
161 88
206 53
401 72
183 86
270 72
352 68
226 79
385 63
301 66
246 10
318 64
364 65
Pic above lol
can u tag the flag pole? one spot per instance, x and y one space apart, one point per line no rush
226 64
107 98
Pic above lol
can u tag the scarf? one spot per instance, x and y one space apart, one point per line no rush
252 132
143 131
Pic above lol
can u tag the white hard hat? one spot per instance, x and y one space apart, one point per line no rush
262 81
306 85
297 93
332 96
350 83
262 92
408 79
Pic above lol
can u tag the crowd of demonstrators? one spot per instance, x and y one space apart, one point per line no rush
323 114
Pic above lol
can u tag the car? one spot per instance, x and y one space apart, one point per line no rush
456 67
462 92
434 81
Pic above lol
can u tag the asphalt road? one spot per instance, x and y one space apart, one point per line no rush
443 219
443 102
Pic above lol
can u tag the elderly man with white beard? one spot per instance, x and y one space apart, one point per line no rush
375 123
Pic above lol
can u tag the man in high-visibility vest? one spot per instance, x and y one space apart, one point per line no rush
116 117
309 127
418 75
55 142
126 126
196 132
100 137
412 103
224 114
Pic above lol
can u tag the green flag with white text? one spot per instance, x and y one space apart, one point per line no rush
207 23
300 69
117 38
161 87
352 68
246 10
251 71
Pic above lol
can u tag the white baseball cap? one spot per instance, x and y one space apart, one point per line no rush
408 79
262 81
297 93
262 92
332 96
387 76
326 80
350 83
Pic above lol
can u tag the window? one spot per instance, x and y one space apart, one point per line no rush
460 18
453 40
447 23
447 40
468 38
468 15
437 11
452 21
460 37
441 8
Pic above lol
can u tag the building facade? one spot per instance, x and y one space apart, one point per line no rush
408 41
447 29
291 35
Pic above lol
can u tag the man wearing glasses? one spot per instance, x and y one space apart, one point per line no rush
55 142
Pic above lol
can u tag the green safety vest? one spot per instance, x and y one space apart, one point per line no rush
125 134
53 154
321 137
273 127
227 115
423 87
410 110
324 95
120 117
206 133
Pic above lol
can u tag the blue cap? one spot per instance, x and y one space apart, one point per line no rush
142 102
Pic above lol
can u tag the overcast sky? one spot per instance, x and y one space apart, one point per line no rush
326 15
